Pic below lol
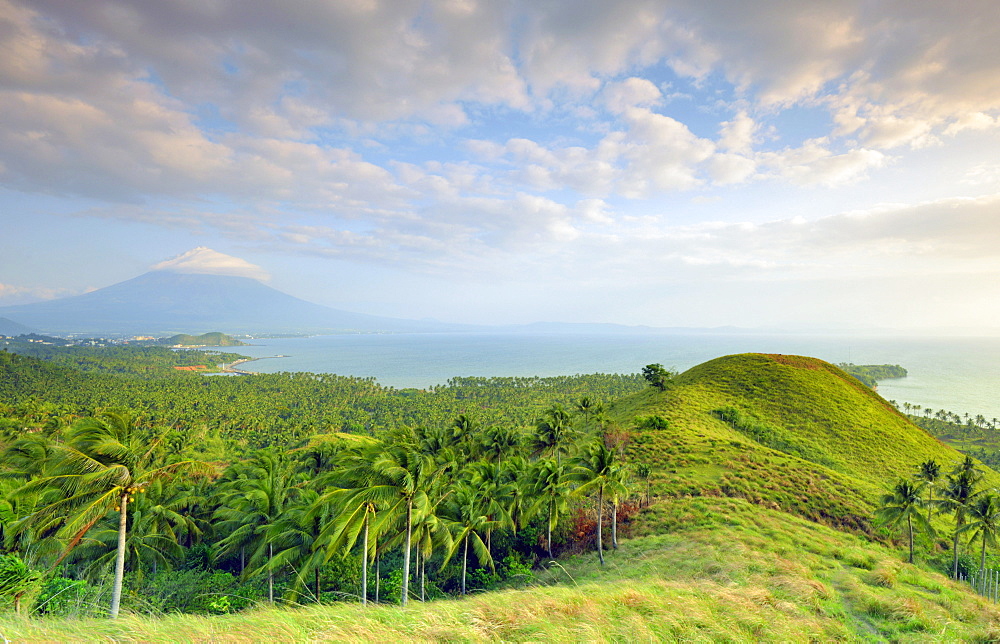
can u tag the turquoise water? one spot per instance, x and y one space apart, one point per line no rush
958 374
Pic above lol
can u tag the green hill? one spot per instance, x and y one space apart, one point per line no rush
214 339
787 432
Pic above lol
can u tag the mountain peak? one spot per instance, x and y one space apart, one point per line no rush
205 261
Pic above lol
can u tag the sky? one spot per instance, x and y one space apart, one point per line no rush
803 165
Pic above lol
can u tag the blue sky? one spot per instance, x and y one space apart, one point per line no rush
802 165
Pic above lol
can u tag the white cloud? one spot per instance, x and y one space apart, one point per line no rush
207 261
11 294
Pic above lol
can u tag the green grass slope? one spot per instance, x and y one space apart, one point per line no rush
786 432
711 569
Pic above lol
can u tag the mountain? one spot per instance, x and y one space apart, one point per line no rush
165 302
12 328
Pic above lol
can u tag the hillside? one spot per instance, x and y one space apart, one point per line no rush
214 339
786 432
724 570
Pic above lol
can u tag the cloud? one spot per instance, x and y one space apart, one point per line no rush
11 294
209 262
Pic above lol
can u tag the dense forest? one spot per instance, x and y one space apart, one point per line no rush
295 487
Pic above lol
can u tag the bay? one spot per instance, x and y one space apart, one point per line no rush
957 374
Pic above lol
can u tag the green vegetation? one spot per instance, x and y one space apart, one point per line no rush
215 339
755 496
147 361
870 374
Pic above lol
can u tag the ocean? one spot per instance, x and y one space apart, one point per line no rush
958 374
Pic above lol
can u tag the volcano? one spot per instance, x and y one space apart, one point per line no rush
174 301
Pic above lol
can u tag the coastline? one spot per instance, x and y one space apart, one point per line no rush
230 367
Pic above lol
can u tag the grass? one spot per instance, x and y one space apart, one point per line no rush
811 440
709 569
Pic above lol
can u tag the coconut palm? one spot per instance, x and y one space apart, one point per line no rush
644 472
498 441
598 468
984 523
261 490
466 513
957 496
929 472
553 433
102 464
903 503
294 540
550 483
355 510
401 475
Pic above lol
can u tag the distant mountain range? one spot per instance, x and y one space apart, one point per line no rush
167 302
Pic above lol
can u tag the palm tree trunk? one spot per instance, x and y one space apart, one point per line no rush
982 558
954 546
614 524
378 576
423 577
316 574
270 574
116 592
465 562
600 519
548 530
405 588
909 526
364 565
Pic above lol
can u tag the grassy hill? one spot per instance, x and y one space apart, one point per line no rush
786 432
214 339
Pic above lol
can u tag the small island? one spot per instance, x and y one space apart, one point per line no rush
214 339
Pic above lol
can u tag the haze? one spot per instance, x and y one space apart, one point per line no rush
800 165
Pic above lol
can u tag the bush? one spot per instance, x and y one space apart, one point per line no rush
204 592
63 596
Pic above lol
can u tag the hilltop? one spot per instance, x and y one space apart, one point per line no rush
787 432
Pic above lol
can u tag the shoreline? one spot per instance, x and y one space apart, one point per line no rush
230 367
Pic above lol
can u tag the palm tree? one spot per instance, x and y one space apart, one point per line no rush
550 484
466 512
598 469
553 433
355 511
402 475
929 472
903 503
101 465
498 441
255 499
588 407
984 515
644 471
293 535
958 494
